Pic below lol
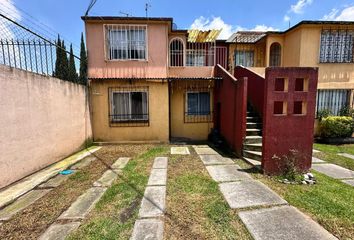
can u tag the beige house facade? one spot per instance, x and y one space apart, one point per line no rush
328 45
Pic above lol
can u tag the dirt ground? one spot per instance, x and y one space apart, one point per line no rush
31 222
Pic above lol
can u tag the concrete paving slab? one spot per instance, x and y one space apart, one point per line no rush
28 183
158 177
153 203
250 193
107 178
349 181
205 151
83 205
21 203
227 173
282 223
84 163
347 155
55 181
180 150
148 229
215 160
120 163
200 146
315 151
333 171
59 231
317 160
160 162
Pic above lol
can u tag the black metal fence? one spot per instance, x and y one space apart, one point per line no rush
22 48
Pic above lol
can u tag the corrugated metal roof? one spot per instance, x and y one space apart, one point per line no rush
246 37
195 35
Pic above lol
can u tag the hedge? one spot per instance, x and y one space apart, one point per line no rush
336 127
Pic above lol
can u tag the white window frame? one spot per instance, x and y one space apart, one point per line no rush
197 115
128 91
124 26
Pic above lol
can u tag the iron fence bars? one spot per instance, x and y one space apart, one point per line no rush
30 55
22 48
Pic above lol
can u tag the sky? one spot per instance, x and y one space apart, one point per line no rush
53 16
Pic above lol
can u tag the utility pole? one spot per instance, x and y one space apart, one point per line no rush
147 6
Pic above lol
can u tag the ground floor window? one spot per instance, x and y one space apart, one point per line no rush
333 100
198 106
129 105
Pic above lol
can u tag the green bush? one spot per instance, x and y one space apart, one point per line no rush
323 113
333 126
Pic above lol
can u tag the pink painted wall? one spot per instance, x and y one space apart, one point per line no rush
43 120
154 67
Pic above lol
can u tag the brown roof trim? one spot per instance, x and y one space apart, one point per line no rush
162 79
103 18
312 22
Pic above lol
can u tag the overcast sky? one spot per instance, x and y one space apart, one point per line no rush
63 16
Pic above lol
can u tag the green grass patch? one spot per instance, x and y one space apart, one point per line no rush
329 154
330 202
195 206
80 176
115 214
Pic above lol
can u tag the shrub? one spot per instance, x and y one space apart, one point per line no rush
346 111
333 126
323 113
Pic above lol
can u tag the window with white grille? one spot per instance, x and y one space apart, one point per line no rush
176 53
126 42
337 46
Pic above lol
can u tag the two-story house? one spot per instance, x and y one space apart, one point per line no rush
328 45
150 81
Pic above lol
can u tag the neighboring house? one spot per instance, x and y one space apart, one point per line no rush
149 81
328 45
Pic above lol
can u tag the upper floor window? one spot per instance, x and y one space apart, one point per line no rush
244 58
196 57
126 42
176 53
275 55
337 46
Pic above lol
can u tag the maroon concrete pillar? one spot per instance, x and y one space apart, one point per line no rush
288 116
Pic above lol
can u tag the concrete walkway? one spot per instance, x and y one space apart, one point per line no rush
150 225
70 219
333 171
25 185
271 217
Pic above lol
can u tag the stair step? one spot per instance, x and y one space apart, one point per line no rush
253 139
255 163
253 155
253 147
253 132
254 125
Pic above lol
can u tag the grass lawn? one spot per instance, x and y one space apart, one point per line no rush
329 154
115 214
195 207
329 202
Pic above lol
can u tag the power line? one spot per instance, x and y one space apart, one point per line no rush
32 22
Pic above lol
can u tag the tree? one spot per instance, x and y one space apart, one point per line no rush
83 62
65 62
72 75
58 60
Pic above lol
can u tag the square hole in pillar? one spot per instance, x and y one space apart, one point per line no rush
280 108
281 85
301 85
299 108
